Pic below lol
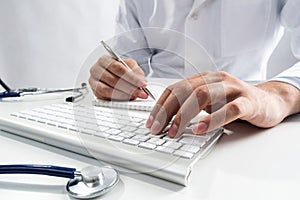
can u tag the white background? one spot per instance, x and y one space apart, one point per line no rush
43 43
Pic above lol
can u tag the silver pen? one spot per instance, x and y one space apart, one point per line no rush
119 59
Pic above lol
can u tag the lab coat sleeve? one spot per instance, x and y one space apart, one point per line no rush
130 38
290 19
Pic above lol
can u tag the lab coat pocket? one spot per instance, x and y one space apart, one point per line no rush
244 25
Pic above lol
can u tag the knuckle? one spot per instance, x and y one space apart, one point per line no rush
118 68
235 109
98 93
223 75
177 118
202 92
169 89
105 61
93 69
155 109
111 80
162 116
91 82
106 91
101 59
103 92
205 73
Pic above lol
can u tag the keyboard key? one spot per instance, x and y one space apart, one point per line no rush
32 118
63 126
88 131
113 131
159 136
128 128
103 123
127 134
171 139
102 128
74 128
23 116
141 138
147 145
116 138
165 149
135 119
133 124
156 141
101 134
51 123
142 131
131 141
190 148
123 121
87 126
183 154
194 140
173 145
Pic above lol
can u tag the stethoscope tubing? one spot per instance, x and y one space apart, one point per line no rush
49 170
89 183
16 93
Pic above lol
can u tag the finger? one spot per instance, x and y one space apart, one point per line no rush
165 114
176 89
213 108
98 68
204 96
158 106
105 92
188 111
99 72
136 77
228 113
120 84
168 105
171 100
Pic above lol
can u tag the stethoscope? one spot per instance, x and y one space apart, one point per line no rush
9 93
90 182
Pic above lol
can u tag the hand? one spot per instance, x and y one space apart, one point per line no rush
226 98
110 80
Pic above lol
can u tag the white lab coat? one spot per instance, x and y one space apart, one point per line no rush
237 36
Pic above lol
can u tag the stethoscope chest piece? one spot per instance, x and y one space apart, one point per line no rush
92 182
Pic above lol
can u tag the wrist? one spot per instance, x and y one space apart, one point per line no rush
287 95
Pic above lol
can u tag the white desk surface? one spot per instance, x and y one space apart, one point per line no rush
251 163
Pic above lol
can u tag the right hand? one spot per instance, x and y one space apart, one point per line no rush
110 80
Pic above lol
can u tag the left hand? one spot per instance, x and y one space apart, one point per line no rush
226 98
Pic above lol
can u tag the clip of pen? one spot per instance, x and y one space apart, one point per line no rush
119 59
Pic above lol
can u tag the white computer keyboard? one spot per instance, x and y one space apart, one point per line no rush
117 126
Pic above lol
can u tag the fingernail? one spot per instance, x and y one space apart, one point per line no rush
149 121
200 127
142 94
173 130
155 128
